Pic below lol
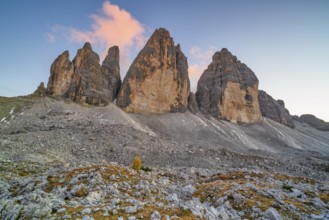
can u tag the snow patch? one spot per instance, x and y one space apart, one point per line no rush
3 119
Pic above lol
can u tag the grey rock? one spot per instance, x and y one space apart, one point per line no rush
86 211
155 216
12 211
211 90
173 199
313 122
157 81
43 210
4 192
274 109
61 210
211 213
192 104
41 90
56 203
272 214
222 213
111 68
84 80
86 217
130 209
186 191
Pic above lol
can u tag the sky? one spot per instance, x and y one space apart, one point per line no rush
286 43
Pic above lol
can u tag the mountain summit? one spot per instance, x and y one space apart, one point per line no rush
157 81
228 90
84 80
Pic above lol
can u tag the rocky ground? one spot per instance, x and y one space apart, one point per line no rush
57 161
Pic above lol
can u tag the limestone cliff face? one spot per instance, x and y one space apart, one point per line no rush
157 81
228 90
61 72
84 80
274 109
111 69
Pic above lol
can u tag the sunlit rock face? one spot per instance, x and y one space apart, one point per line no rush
157 81
61 72
228 90
84 80
274 109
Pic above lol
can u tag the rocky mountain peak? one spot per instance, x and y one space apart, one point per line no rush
87 46
61 72
86 56
111 68
228 90
84 80
157 81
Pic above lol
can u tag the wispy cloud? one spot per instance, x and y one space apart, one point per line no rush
199 60
112 26
51 37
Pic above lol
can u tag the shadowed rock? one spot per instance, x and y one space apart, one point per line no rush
313 121
111 68
84 80
157 81
274 109
41 90
228 90
192 104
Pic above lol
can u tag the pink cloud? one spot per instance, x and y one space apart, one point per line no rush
112 26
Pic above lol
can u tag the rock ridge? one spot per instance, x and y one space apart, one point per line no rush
313 122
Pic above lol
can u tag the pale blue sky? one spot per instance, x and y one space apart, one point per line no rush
286 43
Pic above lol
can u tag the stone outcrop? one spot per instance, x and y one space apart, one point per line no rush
111 68
192 104
41 90
313 122
157 81
61 72
274 109
84 80
228 90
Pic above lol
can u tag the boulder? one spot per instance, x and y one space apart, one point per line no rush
228 90
274 109
157 81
